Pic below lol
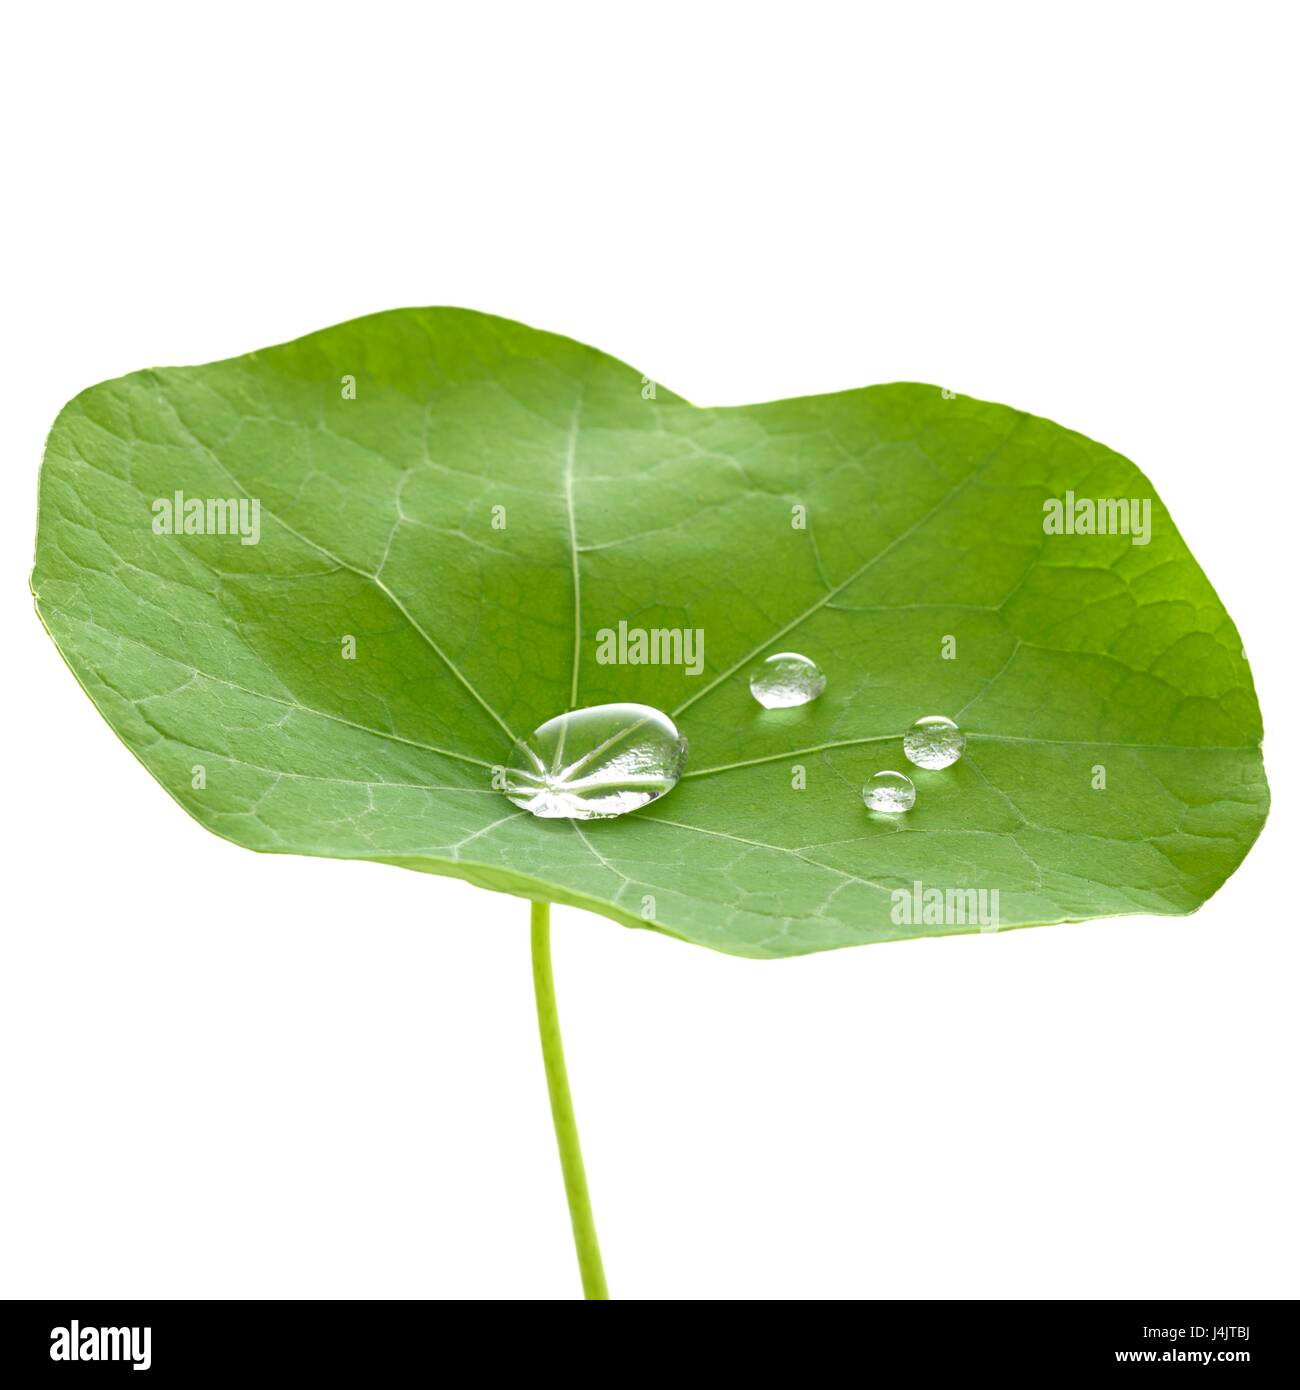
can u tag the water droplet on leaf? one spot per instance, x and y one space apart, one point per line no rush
785 680
594 763
889 791
934 742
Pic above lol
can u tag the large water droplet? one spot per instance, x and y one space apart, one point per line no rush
785 680
934 742
889 791
591 764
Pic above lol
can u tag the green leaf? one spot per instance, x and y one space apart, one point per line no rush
924 522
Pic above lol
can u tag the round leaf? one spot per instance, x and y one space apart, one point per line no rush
417 536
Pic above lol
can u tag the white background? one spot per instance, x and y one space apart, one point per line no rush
228 1074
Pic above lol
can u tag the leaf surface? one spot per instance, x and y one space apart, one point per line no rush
922 581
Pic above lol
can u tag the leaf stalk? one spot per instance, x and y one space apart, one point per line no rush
566 1126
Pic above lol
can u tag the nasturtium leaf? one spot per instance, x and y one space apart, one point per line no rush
455 514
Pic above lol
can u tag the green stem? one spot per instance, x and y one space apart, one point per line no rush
566 1126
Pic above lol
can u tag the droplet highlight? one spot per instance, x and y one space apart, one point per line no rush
786 680
596 763
890 792
934 742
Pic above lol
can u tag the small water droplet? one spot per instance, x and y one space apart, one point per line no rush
594 763
785 680
889 791
934 742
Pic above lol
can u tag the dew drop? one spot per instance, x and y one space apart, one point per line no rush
889 791
785 680
934 742
595 763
